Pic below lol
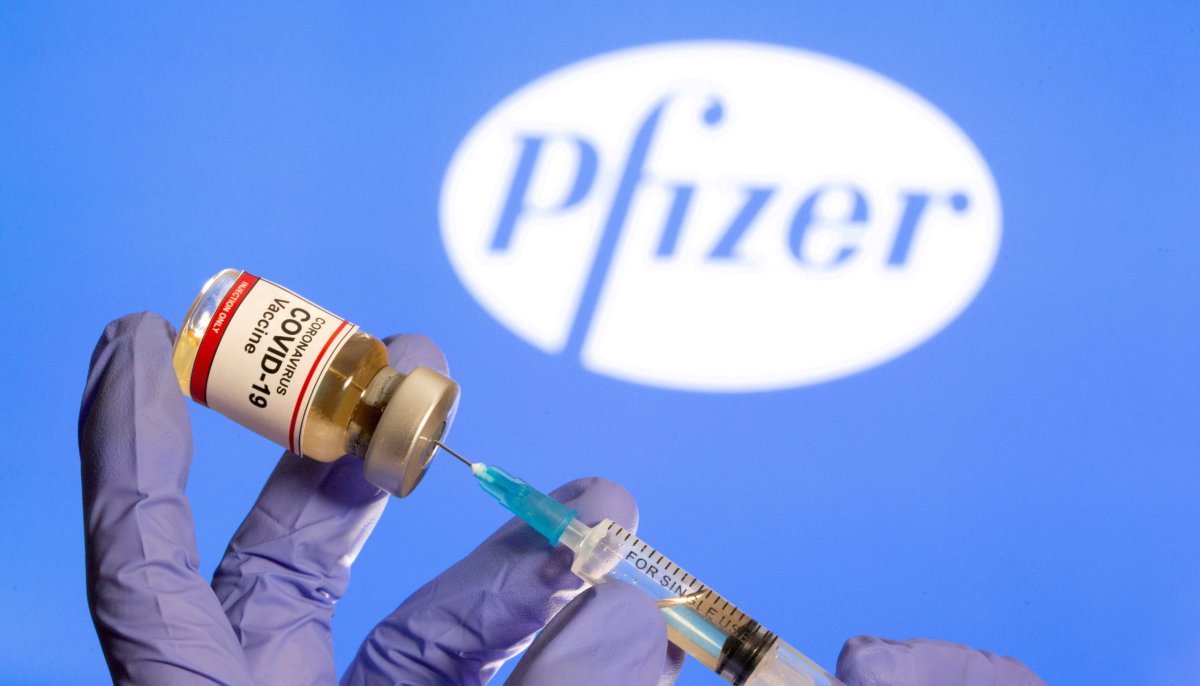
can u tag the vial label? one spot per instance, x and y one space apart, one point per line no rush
262 356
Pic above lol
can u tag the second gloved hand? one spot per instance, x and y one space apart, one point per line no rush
462 626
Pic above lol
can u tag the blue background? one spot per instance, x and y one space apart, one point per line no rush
1024 482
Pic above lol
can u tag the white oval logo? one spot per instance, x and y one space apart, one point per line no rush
720 216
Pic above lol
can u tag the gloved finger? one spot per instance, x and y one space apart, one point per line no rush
289 561
157 618
871 661
460 627
610 634
409 351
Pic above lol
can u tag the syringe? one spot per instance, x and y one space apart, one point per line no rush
701 622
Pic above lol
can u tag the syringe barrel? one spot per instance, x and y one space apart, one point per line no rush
700 621
783 665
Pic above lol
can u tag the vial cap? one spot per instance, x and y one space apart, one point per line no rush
419 413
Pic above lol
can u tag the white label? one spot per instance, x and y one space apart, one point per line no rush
720 216
263 356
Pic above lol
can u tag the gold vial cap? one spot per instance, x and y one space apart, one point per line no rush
418 414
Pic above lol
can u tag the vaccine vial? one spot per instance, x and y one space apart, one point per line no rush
309 380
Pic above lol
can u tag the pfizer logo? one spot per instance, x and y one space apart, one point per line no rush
720 216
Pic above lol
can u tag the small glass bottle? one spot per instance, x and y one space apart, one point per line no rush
309 380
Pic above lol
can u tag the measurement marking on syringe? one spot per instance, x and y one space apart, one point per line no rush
687 589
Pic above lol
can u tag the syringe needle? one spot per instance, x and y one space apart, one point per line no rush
443 446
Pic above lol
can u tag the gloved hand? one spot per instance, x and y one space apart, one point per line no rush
871 661
266 617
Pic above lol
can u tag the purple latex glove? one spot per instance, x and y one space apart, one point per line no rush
871 661
265 618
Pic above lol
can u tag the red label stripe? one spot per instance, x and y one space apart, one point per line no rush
307 379
214 333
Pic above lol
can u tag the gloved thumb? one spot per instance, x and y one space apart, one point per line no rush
610 634
871 661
